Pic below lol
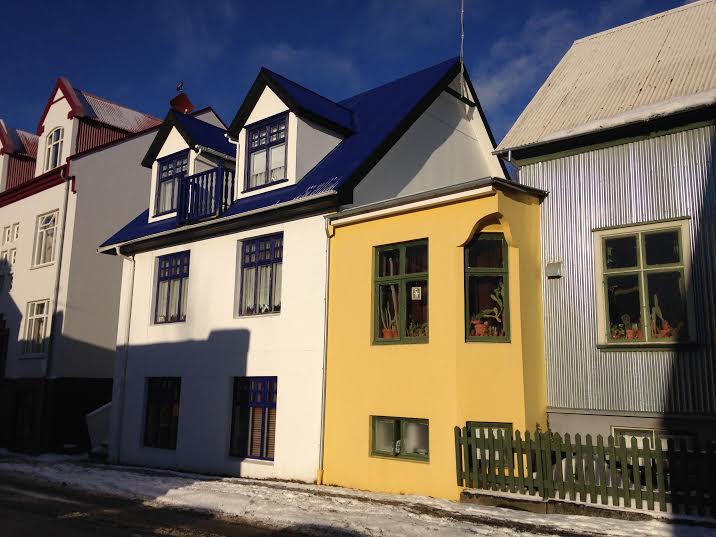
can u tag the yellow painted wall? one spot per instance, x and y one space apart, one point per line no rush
447 381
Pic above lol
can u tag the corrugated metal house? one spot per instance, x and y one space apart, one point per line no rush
622 135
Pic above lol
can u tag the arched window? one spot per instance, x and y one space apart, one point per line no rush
53 153
487 300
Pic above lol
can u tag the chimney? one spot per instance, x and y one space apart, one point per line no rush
181 103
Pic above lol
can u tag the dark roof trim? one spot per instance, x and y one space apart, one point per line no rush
496 182
76 107
632 130
263 80
280 213
170 122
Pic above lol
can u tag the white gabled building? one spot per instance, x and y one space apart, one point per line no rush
62 191
221 338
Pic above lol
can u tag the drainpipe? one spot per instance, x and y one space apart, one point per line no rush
117 438
319 476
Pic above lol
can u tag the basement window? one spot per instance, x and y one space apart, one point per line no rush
404 438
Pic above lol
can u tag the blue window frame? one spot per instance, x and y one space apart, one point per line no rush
172 288
253 423
266 152
261 270
171 171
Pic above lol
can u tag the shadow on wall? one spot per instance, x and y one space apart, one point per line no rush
202 373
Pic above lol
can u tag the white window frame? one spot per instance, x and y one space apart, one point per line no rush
12 256
6 234
41 237
30 320
15 232
53 148
599 235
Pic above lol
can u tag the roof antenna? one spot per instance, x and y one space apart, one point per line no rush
462 48
180 86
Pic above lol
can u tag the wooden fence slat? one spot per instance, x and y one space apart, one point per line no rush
491 481
520 463
591 486
602 470
660 481
459 468
548 471
580 468
466 455
648 474
540 471
624 466
636 475
510 459
684 476
613 471
501 462
558 477
569 466
529 448
700 469
712 479
481 465
475 468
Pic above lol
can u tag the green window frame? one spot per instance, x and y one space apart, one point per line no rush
633 264
400 438
401 271
487 323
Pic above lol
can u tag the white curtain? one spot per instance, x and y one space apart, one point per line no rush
162 302
248 287
257 174
264 289
277 287
278 162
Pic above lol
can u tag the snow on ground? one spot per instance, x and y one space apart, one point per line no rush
321 510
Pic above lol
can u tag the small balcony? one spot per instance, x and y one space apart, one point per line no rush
205 195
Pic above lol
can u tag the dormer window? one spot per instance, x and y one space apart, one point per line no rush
266 154
54 148
171 171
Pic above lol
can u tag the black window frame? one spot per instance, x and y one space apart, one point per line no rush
267 124
162 392
175 176
253 393
168 271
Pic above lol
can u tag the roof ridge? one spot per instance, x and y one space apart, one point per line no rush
643 20
115 103
399 79
308 89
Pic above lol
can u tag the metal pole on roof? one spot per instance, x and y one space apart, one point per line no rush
462 48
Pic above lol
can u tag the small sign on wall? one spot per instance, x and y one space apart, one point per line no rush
416 293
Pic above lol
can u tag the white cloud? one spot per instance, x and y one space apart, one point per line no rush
310 66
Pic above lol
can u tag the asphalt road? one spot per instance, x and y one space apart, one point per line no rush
29 508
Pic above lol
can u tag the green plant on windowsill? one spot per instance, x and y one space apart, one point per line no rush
496 313
417 329
388 324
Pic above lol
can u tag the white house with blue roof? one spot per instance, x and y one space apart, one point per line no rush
221 346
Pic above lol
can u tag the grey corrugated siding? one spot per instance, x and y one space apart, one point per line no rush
665 177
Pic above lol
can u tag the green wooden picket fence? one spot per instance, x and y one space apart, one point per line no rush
668 476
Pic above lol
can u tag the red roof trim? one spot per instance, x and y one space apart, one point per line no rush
38 184
7 146
76 108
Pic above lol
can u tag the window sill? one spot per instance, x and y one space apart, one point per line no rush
648 346
258 315
265 185
411 341
43 265
252 460
168 322
34 356
172 449
404 458
487 339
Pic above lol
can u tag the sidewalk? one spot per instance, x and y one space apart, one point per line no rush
320 510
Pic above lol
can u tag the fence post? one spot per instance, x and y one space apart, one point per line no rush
660 481
635 472
579 463
458 458
590 462
540 471
510 459
467 457
557 472
602 470
648 477
569 467
520 463
531 486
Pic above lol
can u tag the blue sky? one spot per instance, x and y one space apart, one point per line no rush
136 52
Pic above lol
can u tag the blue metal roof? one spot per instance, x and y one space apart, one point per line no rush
380 117
205 134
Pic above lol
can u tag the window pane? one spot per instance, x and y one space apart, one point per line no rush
257 172
666 305
48 246
389 262
276 290
416 315
174 286
415 441
485 252
486 305
620 252
166 196
248 289
256 429
277 159
624 307
264 288
388 302
416 258
184 294
385 436
162 292
270 433
662 248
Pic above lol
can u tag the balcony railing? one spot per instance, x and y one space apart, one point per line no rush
205 195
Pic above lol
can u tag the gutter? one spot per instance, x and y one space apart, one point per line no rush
113 247
120 383
204 149
319 476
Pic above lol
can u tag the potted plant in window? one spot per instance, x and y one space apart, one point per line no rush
389 328
495 313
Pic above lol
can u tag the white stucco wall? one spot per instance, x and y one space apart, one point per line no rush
213 345
57 117
448 144
29 284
